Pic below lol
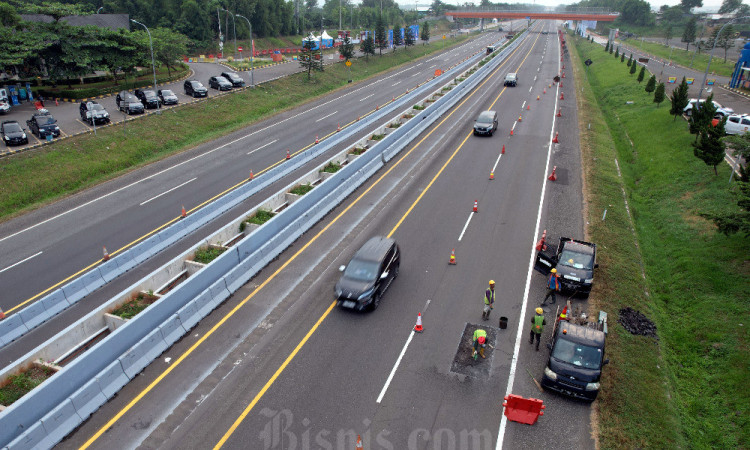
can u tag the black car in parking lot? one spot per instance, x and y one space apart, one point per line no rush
369 274
195 88
12 133
93 112
43 124
233 78
129 103
167 97
148 97
219 83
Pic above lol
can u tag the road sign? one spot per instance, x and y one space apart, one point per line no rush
443 36
438 72
348 63
239 49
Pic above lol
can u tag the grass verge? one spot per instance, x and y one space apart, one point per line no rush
207 254
685 389
684 57
31 179
135 306
19 385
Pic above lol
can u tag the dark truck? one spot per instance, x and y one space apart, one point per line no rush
576 357
575 262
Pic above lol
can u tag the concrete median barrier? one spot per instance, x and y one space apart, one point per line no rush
58 423
31 438
34 314
142 353
112 379
11 328
55 302
172 329
88 399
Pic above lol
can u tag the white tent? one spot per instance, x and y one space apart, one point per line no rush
327 39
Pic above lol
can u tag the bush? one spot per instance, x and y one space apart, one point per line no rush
331 167
261 216
302 189
207 254
377 137
19 385
418 107
357 151
134 306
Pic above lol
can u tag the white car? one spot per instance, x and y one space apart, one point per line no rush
720 110
737 124
4 107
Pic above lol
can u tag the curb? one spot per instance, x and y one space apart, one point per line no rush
734 90
256 67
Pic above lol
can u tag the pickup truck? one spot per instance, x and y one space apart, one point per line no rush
575 262
576 357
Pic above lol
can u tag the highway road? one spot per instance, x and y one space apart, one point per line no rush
279 366
40 249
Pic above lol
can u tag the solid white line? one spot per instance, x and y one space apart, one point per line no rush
466 226
496 162
261 147
531 86
524 102
522 319
20 262
325 117
514 126
363 99
395 366
167 192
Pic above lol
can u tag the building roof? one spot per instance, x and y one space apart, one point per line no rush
113 21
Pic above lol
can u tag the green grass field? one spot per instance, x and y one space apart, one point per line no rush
686 58
686 389
36 177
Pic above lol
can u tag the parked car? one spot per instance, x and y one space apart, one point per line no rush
195 88
4 107
575 261
368 275
720 110
233 78
167 97
219 83
43 124
486 123
737 124
129 103
12 133
93 112
511 79
148 97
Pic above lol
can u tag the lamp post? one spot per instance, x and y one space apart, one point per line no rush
705 75
252 47
153 64
234 26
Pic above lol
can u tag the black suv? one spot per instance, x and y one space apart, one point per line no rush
129 103
148 97
486 123
167 97
369 273
195 89
233 78
93 112
575 262
219 83
42 124
12 133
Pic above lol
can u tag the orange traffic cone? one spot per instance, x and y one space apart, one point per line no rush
492 175
555 140
288 156
541 245
359 443
476 206
564 313
358 117
453 257
393 98
552 176
183 214
251 175
2 314
377 107
537 98
57 103
563 75
339 127
503 150
317 141
545 91
563 66
528 107
418 327
511 132
561 85
106 254
559 112
519 118
562 95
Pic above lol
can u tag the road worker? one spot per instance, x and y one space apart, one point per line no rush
537 326
553 287
479 340
489 301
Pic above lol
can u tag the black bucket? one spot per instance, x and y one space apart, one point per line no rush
503 322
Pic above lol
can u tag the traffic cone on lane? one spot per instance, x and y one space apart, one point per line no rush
561 85
555 140
2 314
528 107
418 327
537 98
338 128
502 152
377 108
553 176
545 91
105 257
562 95
511 132
563 66
492 175
563 75
251 175
559 112
317 141
288 156
541 245
359 443
452 261
183 214
519 118
476 206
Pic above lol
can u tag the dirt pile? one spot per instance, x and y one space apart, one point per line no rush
636 323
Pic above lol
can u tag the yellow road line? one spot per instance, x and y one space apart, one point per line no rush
299 346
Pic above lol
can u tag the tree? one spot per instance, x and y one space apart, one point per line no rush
169 46
641 74
687 5
659 94
8 16
612 47
635 12
739 221
606 47
409 37
346 49
633 68
617 53
668 33
381 41
622 57
311 58
725 40
688 35
701 116
368 46
729 6
651 85
630 60
397 39
710 148
679 99
426 31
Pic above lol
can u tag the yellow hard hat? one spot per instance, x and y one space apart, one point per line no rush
570 260
553 270
492 282
539 310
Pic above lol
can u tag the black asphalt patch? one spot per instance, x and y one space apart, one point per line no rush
464 363
637 323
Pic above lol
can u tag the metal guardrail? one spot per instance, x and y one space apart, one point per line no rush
48 413
61 298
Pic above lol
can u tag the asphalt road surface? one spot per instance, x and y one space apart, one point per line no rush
279 366
42 248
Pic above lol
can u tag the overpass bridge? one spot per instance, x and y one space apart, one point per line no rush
598 14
